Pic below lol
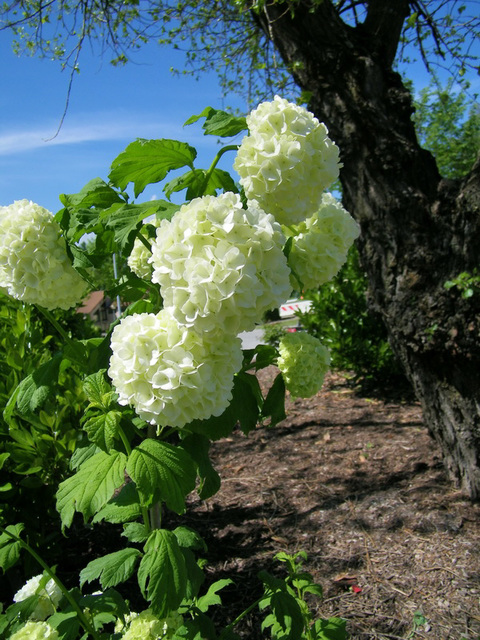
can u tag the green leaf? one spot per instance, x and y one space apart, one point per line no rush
95 193
127 219
98 391
331 629
66 624
246 400
198 447
148 161
111 569
211 598
135 532
162 574
124 507
219 123
197 184
91 487
274 405
102 429
9 547
162 472
35 388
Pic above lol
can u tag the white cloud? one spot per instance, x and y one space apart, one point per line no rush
95 127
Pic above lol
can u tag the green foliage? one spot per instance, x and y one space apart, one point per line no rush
340 318
64 431
467 283
448 125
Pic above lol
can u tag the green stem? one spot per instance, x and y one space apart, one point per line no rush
233 624
81 616
55 323
144 241
230 147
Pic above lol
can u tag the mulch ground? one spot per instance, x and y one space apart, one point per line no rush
358 484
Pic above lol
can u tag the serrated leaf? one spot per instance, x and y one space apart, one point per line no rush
274 405
66 624
102 429
9 547
98 391
135 532
162 472
35 388
124 507
111 569
189 539
199 182
331 629
148 161
127 219
91 487
219 123
162 574
198 447
95 193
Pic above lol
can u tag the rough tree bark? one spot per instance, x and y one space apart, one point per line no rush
417 230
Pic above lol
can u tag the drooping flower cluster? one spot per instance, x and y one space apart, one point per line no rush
35 631
34 266
171 373
146 626
321 243
49 596
138 260
303 362
219 265
286 161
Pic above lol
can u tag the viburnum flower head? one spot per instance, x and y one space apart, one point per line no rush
169 373
303 362
286 161
35 631
321 243
146 626
34 265
219 265
138 260
49 596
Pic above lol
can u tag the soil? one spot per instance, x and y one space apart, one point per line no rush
357 483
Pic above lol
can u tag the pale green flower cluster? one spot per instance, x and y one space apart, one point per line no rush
35 631
145 626
321 243
303 362
49 596
219 265
286 161
171 373
138 260
34 265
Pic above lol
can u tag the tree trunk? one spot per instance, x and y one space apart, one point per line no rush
417 230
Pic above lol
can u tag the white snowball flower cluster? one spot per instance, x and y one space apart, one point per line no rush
146 626
170 373
49 596
35 631
138 260
286 161
321 243
303 362
34 266
219 265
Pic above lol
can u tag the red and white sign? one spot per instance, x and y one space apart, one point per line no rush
290 307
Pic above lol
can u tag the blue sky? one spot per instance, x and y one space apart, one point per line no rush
109 107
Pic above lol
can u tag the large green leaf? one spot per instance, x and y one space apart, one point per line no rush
98 390
91 487
200 182
103 429
162 574
148 161
111 569
95 193
124 507
9 547
162 472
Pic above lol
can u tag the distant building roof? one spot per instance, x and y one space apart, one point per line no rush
91 302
